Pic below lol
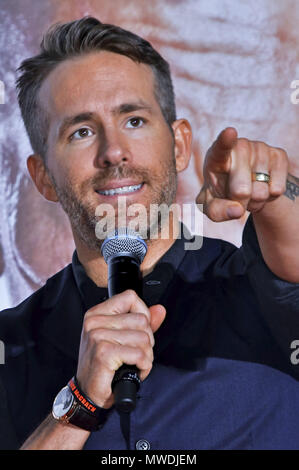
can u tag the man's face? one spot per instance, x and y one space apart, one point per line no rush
107 138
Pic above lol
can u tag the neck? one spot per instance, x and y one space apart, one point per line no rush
96 267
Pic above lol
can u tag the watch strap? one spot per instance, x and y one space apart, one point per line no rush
84 420
87 414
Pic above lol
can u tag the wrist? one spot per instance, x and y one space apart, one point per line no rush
52 434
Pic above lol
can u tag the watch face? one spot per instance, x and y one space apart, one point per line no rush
63 402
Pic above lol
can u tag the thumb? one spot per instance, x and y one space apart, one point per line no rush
158 313
220 210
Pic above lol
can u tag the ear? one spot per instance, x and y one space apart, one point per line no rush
41 178
183 143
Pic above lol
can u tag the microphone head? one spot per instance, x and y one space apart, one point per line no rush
123 242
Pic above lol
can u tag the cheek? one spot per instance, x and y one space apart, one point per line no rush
72 157
71 171
155 154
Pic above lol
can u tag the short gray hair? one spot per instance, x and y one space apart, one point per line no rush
66 40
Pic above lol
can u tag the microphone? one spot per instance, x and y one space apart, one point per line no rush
123 251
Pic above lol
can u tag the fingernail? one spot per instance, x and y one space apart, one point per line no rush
233 212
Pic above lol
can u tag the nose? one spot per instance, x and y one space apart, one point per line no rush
112 149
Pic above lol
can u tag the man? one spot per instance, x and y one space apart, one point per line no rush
211 343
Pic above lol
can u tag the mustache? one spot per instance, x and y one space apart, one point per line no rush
116 173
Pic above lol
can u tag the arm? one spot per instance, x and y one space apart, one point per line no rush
277 228
55 435
229 191
278 301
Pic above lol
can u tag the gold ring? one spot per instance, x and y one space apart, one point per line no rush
264 177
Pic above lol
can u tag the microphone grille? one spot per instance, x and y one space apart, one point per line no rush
124 241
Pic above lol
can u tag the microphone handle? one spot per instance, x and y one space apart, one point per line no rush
123 274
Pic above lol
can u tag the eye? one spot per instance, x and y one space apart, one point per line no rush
81 134
135 122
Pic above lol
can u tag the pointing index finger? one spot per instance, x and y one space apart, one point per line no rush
223 145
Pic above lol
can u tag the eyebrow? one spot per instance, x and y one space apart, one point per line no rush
73 120
130 107
123 108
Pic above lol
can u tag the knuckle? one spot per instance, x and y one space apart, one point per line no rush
92 336
262 146
141 356
144 338
88 324
144 361
142 321
280 157
90 312
131 294
243 144
277 189
104 349
97 335
241 191
281 152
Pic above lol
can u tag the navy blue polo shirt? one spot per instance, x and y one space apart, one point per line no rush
222 376
220 379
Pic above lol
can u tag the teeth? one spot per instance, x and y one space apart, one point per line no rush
123 189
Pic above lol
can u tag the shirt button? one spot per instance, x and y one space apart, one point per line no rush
142 444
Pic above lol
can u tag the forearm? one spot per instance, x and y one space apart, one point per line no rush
55 435
277 229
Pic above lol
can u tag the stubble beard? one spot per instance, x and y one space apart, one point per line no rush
82 214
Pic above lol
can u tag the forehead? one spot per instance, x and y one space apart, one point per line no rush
96 82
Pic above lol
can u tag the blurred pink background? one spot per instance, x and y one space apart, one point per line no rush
232 63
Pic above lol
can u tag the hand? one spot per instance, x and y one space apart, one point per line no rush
228 190
115 332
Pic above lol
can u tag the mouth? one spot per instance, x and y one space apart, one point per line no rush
120 190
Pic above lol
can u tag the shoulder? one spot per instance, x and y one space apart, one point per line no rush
17 322
222 258
205 256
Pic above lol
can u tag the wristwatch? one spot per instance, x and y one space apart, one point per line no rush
72 406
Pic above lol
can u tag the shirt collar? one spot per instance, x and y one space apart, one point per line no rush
154 284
